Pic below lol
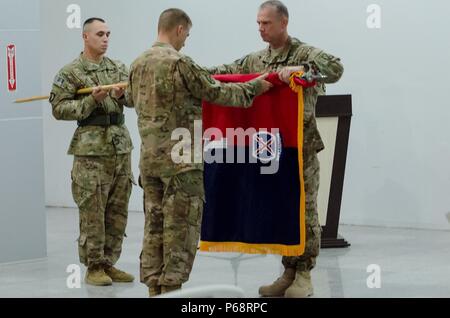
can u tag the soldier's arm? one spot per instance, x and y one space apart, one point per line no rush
326 64
128 92
202 86
65 106
123 78
237 67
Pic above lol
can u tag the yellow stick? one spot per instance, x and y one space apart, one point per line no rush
30 99
87 90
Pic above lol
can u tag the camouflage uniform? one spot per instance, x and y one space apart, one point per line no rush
166 87
101 174
297 53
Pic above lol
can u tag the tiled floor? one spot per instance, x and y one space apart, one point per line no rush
412 263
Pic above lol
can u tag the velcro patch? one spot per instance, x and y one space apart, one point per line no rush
59 81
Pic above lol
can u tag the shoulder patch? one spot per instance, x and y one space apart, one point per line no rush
59 81
190 63
196 71
187 59
327 56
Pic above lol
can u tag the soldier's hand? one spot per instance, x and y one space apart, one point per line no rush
265 84
286 72
99 94
117 92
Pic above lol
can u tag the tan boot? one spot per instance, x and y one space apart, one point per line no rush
154 291
278 288
301 287
118 276
97 277
168 289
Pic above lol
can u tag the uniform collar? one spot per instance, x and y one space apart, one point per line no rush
280 58
91 66
162 44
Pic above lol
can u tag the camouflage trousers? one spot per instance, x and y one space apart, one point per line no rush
173 210
101 187
307 261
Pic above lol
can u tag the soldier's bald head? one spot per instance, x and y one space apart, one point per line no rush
171 18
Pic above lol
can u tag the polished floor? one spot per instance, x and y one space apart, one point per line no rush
410 263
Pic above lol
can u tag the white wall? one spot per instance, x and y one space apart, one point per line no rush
23 234
397 172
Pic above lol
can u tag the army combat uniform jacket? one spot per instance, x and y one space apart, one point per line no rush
166 88
91 140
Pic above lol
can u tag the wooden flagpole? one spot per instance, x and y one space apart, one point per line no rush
87 90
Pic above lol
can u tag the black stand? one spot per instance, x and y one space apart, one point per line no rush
336 106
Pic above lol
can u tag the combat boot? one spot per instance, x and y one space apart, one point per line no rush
278 288
118 276
168 289
96 276
301 287
154 291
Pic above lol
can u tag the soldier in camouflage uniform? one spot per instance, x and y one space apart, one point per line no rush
287 55
165 87
101 174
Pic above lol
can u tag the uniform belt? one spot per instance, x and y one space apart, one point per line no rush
103 120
